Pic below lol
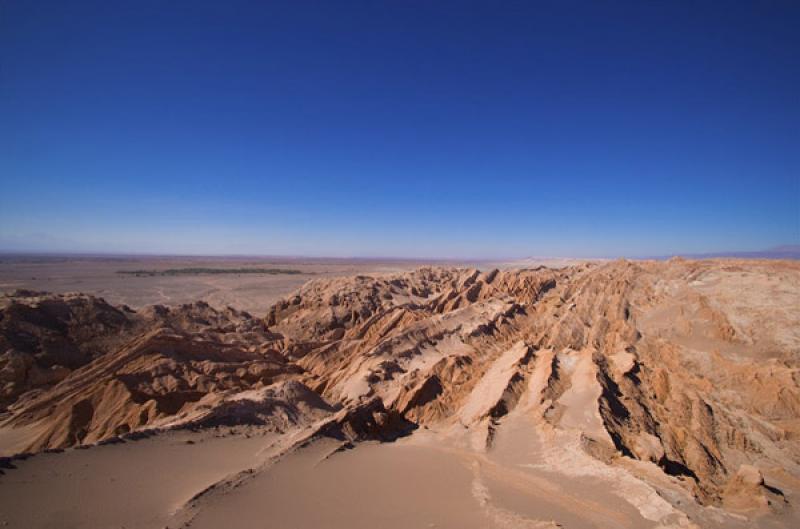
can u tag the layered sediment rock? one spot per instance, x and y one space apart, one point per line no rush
689 366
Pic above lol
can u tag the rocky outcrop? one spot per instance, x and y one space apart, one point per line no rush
44 338
691 368
127 371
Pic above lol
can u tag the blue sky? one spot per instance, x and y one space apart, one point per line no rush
416 129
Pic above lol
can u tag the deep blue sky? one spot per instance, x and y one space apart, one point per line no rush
463 129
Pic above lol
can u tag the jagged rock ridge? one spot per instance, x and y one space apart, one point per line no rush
691 366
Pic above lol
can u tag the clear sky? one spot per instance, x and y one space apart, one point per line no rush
402 128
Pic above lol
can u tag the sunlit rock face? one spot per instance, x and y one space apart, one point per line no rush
678 370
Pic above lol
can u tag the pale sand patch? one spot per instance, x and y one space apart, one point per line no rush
491 386
133 485
387 486
415 482
579 401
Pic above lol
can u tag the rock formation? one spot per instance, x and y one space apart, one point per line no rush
686 368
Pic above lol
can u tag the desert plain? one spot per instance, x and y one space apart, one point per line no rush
114 278
185 392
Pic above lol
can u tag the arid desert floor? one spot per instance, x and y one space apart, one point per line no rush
100 276
615 394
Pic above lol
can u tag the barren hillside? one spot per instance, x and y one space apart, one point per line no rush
672 386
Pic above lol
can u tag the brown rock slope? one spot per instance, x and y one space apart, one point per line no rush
683 373
119 371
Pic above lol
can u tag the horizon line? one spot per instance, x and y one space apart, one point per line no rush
786 251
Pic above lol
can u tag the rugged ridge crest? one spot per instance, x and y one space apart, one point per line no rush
690 367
